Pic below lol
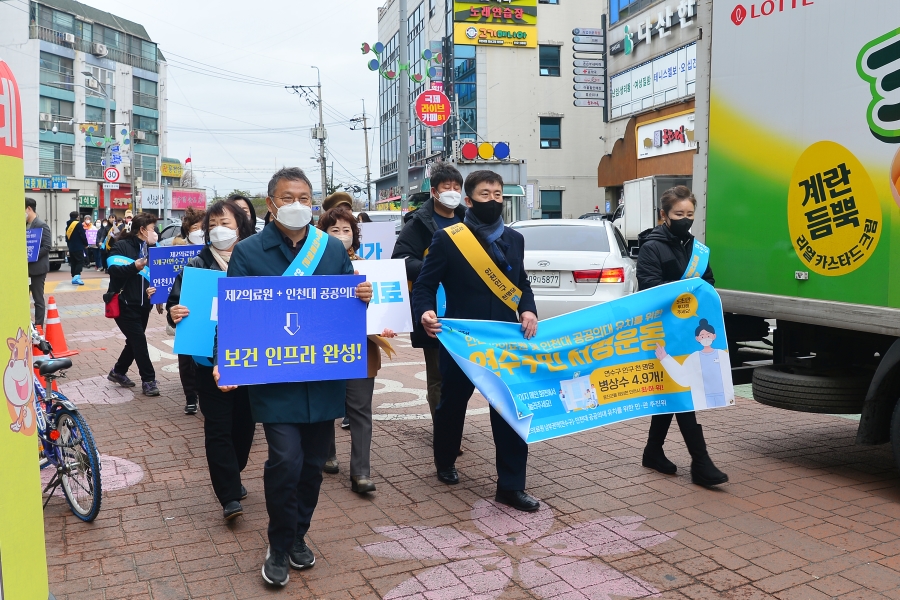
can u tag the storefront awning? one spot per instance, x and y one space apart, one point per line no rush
513 190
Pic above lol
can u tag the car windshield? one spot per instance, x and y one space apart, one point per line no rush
383 218
565 237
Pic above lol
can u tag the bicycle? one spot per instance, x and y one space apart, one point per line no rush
65 440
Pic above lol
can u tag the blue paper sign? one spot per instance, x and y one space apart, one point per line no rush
195 334
659 351
165 264
290 329
33 242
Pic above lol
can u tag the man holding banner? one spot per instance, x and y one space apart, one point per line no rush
37 270
298 418
480 264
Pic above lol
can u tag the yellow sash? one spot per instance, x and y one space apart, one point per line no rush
472 251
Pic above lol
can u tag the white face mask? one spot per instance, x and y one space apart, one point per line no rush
450 199
347 240
706 342
295 216
197 237
222 237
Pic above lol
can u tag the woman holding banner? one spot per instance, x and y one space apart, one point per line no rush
665 257
129 279
228 426
339 222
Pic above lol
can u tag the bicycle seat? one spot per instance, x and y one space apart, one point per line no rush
46 366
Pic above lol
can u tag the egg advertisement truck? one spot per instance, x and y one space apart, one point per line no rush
802 170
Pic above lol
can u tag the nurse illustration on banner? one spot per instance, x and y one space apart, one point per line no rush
707 372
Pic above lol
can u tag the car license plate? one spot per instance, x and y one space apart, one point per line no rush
543 278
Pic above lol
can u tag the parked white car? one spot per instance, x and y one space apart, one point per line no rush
575 263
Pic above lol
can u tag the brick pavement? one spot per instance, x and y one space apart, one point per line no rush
807 514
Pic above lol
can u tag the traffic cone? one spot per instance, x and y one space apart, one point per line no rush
55 334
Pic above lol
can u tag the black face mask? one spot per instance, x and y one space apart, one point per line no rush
487 212
680 227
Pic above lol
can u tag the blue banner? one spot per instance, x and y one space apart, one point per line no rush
659 351
33 242
123 261
195 334
165 265
310 254
699 261
283 329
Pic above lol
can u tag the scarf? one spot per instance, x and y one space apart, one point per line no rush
489 235
221 257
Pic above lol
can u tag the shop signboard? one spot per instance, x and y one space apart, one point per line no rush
589 79
591 64
38 183
666 135
59 182
667 17
433 108
88 202
501 36
589 87
589 82
670 77
496 13
152 198
171 168
182 199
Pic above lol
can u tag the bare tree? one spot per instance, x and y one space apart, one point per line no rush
189 180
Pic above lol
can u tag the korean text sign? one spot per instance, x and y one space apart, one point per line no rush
376 240
659 351
166 263
291 329
389 308
33 242
433 108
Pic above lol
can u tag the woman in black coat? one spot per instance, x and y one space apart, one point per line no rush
664 258
228 426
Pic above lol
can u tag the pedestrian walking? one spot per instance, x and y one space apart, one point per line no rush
37 271
457 257
442 209
90 249
297 417
663 258
102 252
339 222
127 279
76 240
228 425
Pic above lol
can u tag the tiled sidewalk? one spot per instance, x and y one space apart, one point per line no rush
807 514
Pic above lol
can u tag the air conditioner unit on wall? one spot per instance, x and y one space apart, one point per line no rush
139 135
93 84
99 49
46 117
70 38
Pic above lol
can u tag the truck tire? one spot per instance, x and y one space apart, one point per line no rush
784 387
55 266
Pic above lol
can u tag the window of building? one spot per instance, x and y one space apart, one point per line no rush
84 31
551 204
95 114
60 111
55 159
57 71
100 75
145 167
466 90
622 9
550 132
430 8
549 61
148 126
145 93
92 158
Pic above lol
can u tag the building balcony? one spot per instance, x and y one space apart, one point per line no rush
145 100
50 166
120 56
62 79
111 89
62 124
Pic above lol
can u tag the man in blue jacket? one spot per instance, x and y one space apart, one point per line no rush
298 418
458 257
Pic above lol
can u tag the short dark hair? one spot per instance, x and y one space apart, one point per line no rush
73 215
478 177
289 174
234 197
340 213
244 227
364 217
442 172
31 203
673 196
191 217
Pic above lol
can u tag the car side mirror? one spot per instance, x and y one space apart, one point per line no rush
634 251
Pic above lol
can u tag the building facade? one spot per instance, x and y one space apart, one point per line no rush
68 57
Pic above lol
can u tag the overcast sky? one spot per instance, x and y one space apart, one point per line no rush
258 127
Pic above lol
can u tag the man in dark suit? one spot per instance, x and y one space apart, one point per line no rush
469 297
298 418
76 239
38 270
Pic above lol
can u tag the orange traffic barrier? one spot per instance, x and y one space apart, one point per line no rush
55 334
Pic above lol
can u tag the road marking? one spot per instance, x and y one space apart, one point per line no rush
95 284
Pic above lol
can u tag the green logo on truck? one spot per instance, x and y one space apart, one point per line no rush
879 64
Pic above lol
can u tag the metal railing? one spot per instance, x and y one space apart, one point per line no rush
93 170
99 92
150 139
59 38
49 166
62 78
145 100
62 124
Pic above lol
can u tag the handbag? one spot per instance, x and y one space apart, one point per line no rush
112 307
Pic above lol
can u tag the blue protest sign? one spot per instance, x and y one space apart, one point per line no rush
166 263
377 240
195 334
33 242
288 329
659 351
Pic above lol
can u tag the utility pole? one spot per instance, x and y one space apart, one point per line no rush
321 136
365 129
403 159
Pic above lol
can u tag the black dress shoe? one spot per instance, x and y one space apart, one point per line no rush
232 509
243 492
448 476
518 499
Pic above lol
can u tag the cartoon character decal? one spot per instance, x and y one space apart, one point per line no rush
18 384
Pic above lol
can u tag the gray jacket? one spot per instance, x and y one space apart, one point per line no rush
42 265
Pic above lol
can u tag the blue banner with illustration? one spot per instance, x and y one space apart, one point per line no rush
166 262
659 351
33 242
285 329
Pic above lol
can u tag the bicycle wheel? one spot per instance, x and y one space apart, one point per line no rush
79 470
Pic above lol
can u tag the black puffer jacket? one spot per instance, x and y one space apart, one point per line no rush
126 277
664 258
204 260
414 241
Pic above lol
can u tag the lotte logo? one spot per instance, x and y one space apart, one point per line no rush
766 8
738 14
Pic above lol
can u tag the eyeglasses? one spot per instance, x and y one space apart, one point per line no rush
291 199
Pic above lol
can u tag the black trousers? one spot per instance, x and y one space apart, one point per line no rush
292 477
132 322
659 427
76 262
449 420
187 371
228 429
37 294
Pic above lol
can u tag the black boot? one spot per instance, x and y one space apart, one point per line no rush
703 471
654 457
